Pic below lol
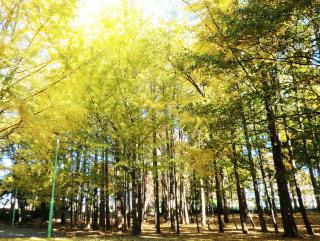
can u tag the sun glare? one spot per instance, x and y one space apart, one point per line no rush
89 10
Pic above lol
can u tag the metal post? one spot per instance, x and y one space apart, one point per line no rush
53 190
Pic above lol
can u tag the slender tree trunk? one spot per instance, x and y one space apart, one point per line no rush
271 204
176 201
219 197
253 173
88 209
118 189
289 224
64 209
239 193
95 196
124 208
181 216
107 206
298 191
314 182
203 205
164 203
208 211
314 139
308 161
156 181
128 203
185 205
136 227
102 211
225 204
71 214
195 200
247 211
140 201
234 221
95 209
79 190
80 215
171 202
292 191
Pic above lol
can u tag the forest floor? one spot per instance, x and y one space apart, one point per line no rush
188 233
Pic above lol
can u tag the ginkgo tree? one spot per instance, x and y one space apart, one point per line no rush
175 122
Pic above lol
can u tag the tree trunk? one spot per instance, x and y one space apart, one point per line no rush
239 192
79 191
171 200
71 214
95 209
247 211
289 224
107 206
135 218
176 201
164 203
208 193
219 197
292 191
298 191
185 205
102 217
253 173
128 202
135 229
118 189
64 209
195 200
305 150
203 205
136 226
156 182
95 196
271 204
225 205
314 182
124 207
140 202
181 216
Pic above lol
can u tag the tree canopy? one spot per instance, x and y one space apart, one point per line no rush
213 109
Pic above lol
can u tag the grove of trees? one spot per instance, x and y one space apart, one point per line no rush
190 119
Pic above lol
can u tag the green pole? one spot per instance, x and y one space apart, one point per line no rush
53 190
14 208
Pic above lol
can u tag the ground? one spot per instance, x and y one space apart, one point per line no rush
188 233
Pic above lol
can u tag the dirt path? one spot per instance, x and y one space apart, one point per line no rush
187 232
21 233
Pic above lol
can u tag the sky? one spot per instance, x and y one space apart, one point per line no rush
153 9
